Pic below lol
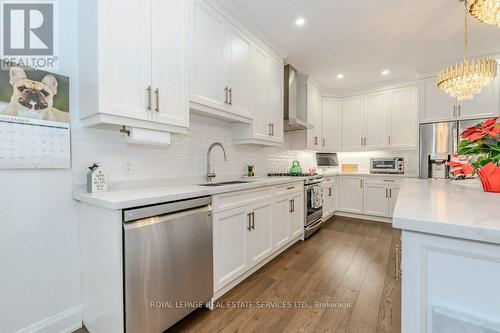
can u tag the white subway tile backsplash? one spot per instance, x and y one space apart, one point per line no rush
186 156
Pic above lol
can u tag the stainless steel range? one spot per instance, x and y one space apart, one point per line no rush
313 200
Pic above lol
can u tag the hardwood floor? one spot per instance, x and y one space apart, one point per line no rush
340 280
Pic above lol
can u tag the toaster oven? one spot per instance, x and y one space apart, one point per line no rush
390 165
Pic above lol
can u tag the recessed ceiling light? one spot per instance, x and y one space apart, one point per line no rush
340 76
385 72
300 21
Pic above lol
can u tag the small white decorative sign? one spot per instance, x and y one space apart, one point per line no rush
96 180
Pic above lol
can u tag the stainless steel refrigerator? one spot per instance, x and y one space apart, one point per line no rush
438 142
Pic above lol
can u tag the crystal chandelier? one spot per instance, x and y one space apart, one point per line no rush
463 80
487 11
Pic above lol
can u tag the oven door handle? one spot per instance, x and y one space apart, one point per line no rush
314 225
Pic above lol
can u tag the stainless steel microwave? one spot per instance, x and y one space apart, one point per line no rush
391 165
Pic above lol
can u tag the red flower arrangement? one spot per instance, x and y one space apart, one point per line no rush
481 143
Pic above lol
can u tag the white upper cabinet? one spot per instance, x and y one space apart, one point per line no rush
382 120
315 113
225 56
376 114
353 123
266 128
436 105
276 99
171 30
403 118
332 124
209 57
240 66
483 105
260 111
123 82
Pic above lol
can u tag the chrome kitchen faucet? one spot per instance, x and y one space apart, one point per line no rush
211 175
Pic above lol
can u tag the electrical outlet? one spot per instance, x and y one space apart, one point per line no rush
128 168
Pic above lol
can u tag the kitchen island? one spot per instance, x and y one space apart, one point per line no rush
450 256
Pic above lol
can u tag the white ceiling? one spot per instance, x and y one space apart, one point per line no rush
360 38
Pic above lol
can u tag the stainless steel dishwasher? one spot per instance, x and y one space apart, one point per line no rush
167 259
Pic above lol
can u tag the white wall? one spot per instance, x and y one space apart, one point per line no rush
39 231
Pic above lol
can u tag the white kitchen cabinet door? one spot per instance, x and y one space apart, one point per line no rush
332 124
260 110
239 50
393 198
125 69
231 234
329 199
376 107
276 99
282 210
209 58
352 123
318 118
376 198
171 28
296 219
403 119
435 104
351 194
261 242
483 105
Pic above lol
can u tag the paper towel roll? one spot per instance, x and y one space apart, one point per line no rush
148 137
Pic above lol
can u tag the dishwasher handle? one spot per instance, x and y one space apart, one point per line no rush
166 208
166 218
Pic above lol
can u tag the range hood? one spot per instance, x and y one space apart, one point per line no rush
293 120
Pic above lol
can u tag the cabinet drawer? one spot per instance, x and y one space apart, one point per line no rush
386 181
236 199
288 189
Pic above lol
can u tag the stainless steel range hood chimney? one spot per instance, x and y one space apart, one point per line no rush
293 121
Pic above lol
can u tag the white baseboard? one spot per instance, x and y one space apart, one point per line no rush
364 217
63 322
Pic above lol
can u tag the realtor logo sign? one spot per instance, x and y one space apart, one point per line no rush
30 34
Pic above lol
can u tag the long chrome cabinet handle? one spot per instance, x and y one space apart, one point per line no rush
149 97
230 96
157 95
253 220
226 91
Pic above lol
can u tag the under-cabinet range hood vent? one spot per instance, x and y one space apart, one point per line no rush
293 121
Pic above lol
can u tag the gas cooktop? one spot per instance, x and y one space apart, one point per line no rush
310 178
285 174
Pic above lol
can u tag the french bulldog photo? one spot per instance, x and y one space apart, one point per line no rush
33 99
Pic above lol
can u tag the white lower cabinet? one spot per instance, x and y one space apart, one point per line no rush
231 229
380 196
296 221
260 240
281 225
375 199
250 226
329 197
370 196
351 194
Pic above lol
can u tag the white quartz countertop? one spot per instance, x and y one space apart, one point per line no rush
367 174
122 197
457 209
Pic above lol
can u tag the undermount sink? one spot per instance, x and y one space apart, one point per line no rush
234 182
